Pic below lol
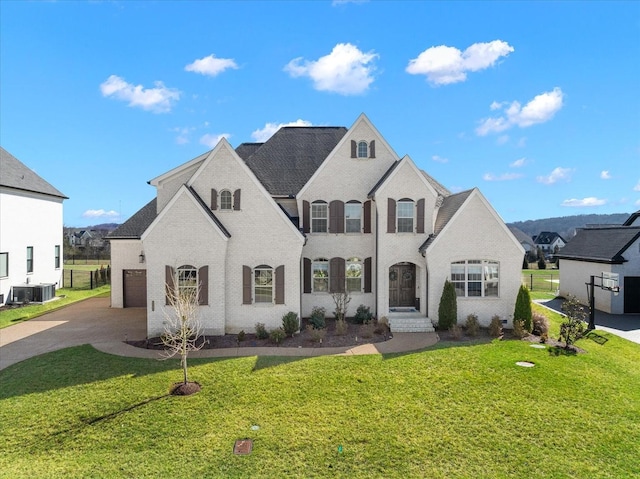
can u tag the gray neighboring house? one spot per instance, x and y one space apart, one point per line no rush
525 240
608 249
548 241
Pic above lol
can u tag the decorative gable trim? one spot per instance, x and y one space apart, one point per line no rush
390 174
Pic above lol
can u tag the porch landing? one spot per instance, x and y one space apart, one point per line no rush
408 320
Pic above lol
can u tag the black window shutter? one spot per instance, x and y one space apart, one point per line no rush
246 285
280 284
336 217
169 284
367 216
391 215
367 275
336 275
306 217
354 148
372 149
203 291
420 226
214 199
236 200
306 262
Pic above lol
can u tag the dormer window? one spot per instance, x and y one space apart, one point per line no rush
225 200
363 149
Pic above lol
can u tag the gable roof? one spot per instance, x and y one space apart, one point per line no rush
632 218
390 173
137 224
440 189
291 156
547 237
520 235
15 174
450 206
600 245
245 150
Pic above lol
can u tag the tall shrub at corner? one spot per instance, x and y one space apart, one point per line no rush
448 308
522 311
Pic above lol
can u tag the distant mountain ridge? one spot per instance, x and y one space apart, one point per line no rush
566 226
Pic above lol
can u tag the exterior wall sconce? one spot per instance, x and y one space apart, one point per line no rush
141 257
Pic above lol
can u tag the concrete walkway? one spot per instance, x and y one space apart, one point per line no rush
94 322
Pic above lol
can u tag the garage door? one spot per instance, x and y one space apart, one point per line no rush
631 290
135 288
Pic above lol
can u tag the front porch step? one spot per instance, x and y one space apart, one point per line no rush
410 322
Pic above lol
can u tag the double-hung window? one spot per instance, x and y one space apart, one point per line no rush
29 259
263 284
405 216
354 275
353 217
475 278
187 282
319 217
320 275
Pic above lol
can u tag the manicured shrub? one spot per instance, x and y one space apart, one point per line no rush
277 335
455 331
261 331
495 327
366 330
241 336
363 315
448 308
518 329
290 323
317 319
341 327
540 324
317 334
472 326
382 325
522 310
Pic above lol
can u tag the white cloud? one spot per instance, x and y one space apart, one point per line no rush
519 163
539 110
212 140
502 177
183 134
439 159
502 139
344 2
158 100
211 66
262 135
605 175
100 214
637 187
346 70
590 201
558 174
444 65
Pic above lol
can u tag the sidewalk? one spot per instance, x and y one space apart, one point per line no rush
94 322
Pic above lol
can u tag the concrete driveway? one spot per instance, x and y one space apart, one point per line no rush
624 325
88 321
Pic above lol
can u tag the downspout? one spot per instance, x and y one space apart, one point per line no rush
376 250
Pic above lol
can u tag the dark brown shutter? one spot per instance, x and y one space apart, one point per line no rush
246 285
367 275
336 217
420 227
214 199
280 284
306 217
367 216
203 291
306 263
169 284
391 215
336 275
354 149
236 200
372 149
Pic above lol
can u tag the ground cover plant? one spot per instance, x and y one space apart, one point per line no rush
459 409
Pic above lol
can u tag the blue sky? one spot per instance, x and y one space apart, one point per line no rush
535 103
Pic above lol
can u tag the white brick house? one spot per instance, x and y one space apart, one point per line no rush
31 235
277 227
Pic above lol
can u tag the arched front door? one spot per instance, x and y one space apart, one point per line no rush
402 285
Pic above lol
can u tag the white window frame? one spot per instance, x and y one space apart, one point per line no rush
363 149
4 265
399 207
353 217
319 217
263 281
354 272
187 281
226 200
320 275
476 278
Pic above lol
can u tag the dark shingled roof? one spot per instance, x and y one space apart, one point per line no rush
15 174
600 245
520 235
292 155
548 237
440 189
245 150
632 218
450 205
137 224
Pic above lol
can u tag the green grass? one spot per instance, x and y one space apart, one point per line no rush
12 316
458 410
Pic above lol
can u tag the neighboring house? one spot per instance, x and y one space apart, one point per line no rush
609 249
30 233
525 240
275 227
548 241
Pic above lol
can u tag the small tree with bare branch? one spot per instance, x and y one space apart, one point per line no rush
182 329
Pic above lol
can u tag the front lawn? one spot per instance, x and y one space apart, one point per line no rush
464 411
